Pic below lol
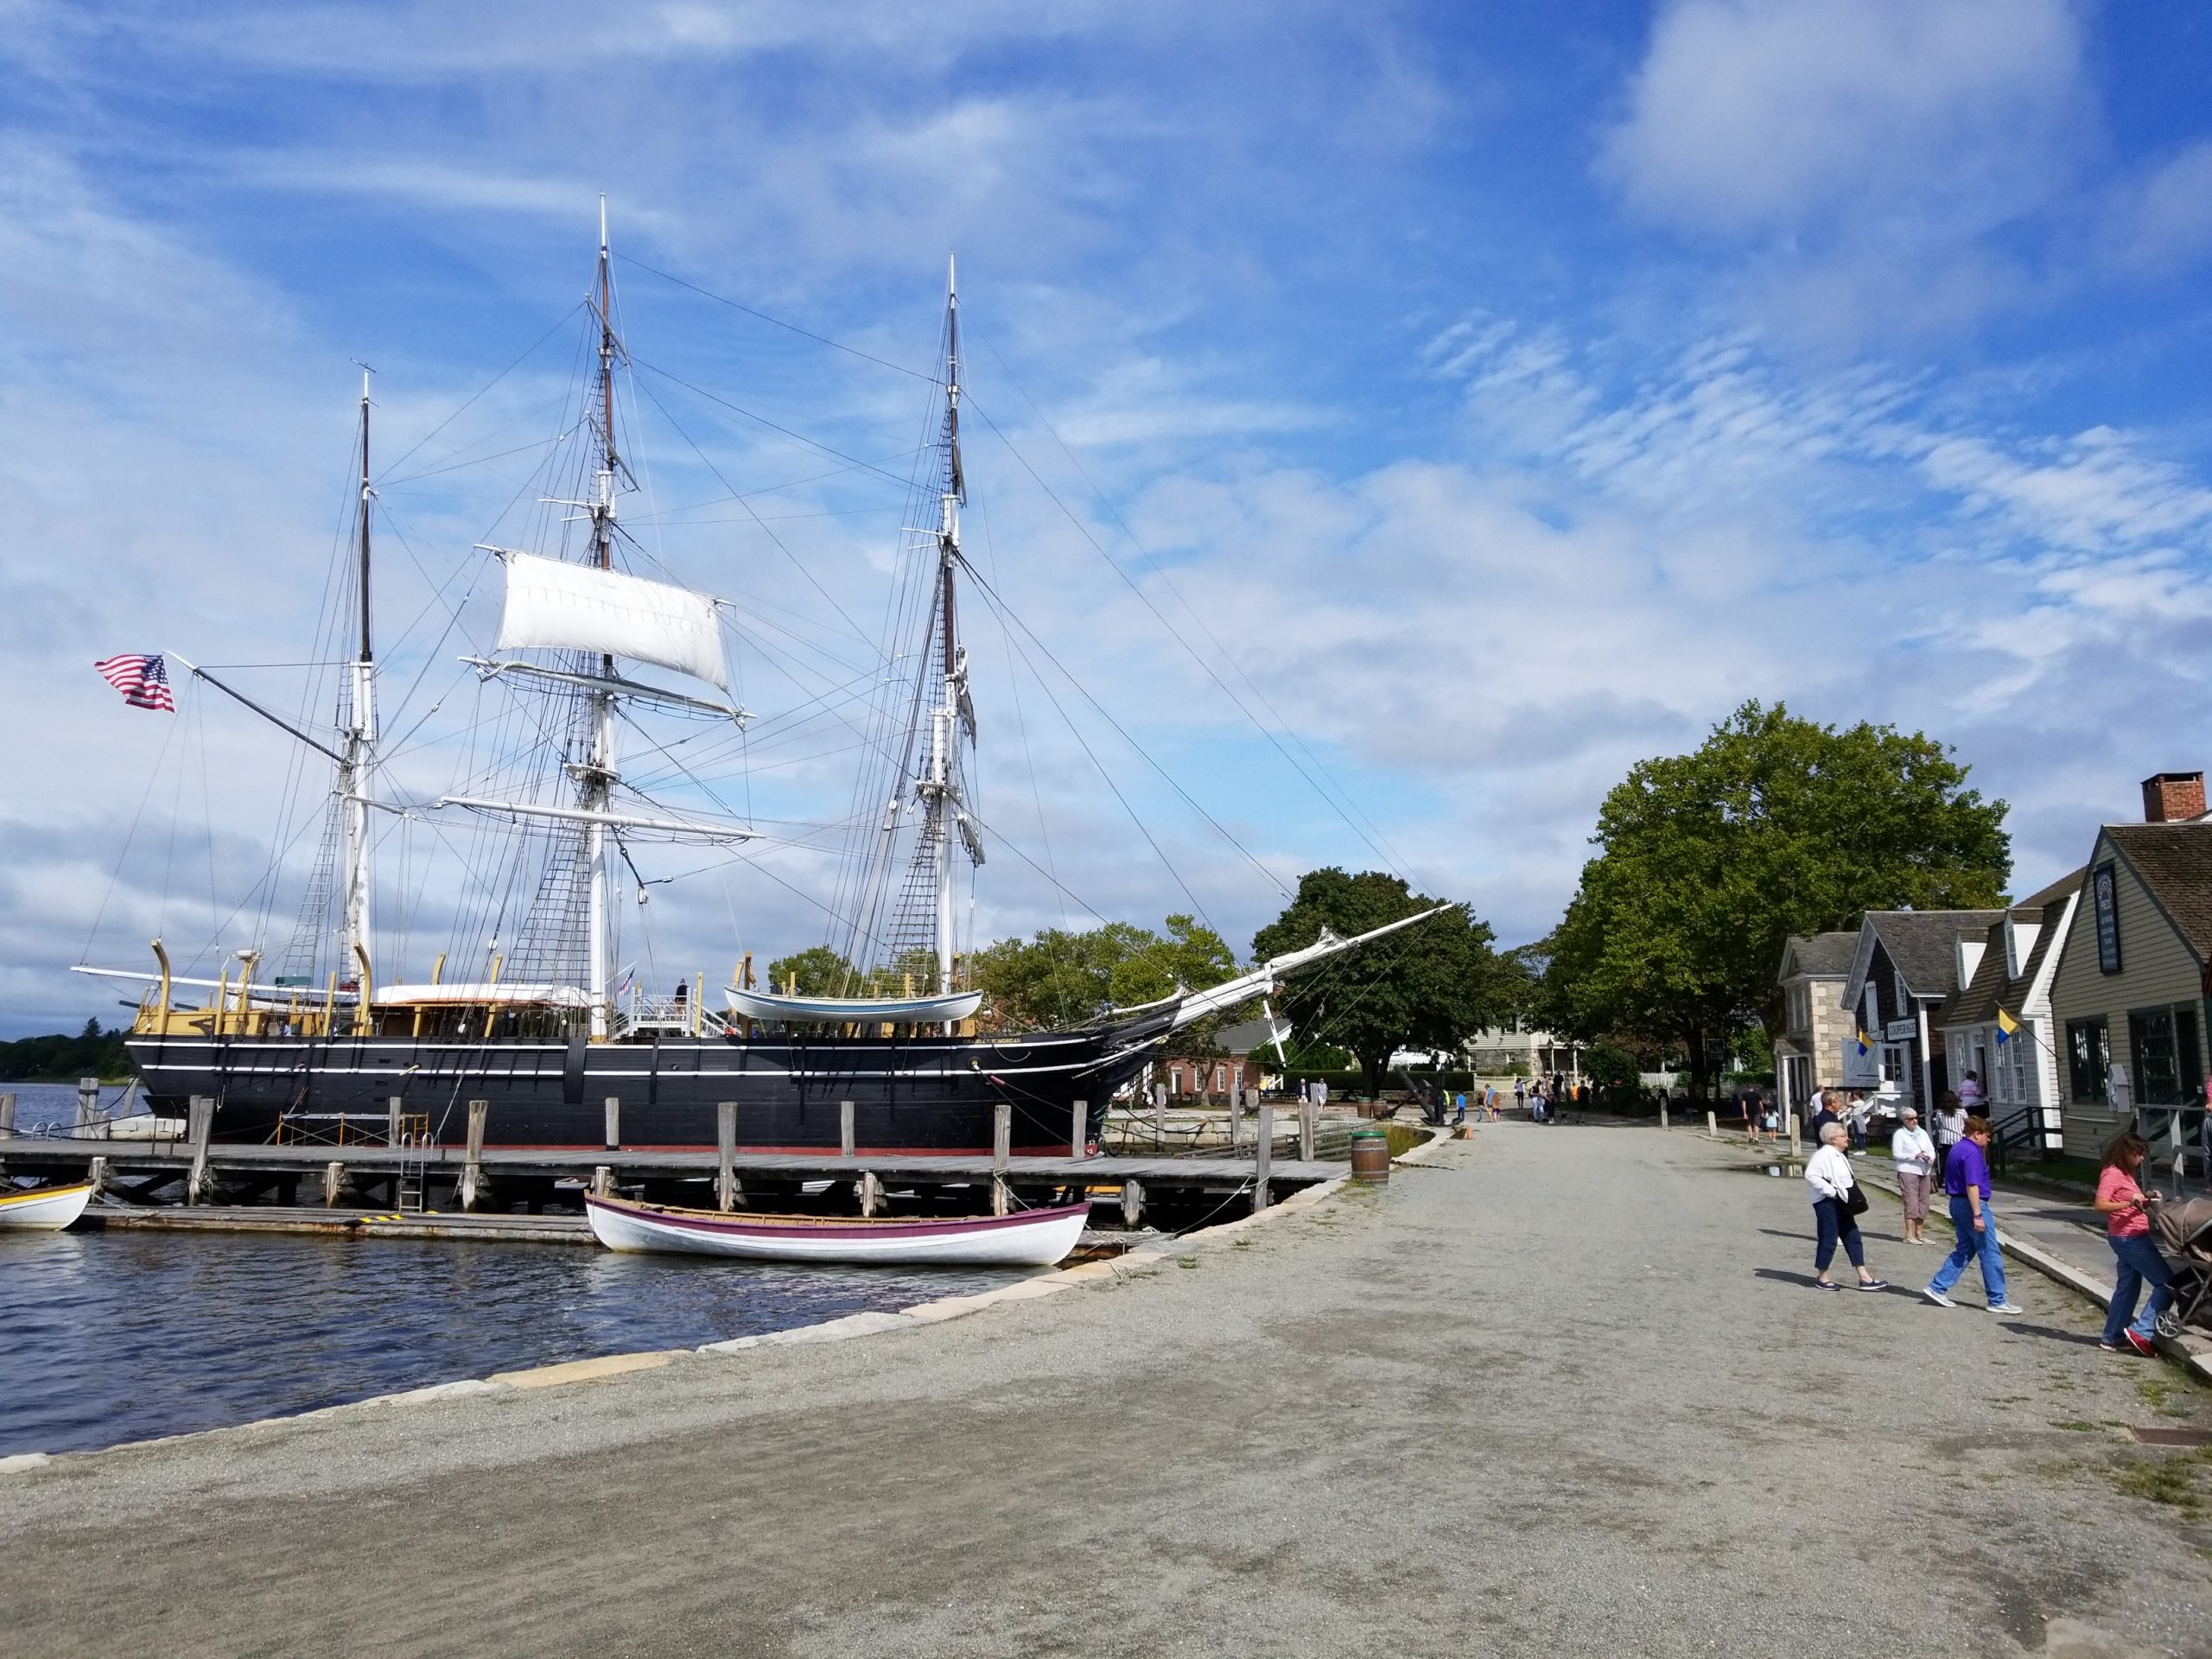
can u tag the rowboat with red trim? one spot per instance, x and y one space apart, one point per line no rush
44 1209
1029 1239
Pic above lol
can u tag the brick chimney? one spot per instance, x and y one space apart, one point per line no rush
2173 797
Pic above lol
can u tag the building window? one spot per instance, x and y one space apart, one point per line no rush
2168 1069
2018 1065
2089 1056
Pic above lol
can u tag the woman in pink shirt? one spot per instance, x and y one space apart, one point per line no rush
2122 1202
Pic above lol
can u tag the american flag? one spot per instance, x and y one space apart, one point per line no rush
143 681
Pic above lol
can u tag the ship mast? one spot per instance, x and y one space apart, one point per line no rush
938 787
595 777
360 739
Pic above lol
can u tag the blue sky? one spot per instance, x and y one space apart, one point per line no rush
1512 393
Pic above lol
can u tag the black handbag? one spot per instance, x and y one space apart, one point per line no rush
1854 1199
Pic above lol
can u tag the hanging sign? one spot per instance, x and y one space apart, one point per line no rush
2104 889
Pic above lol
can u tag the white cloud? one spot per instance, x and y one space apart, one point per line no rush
1754 115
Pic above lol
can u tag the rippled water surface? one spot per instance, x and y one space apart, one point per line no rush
121 1336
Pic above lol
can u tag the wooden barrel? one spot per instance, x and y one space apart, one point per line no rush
1370 1155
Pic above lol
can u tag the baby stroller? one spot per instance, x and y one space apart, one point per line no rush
2183 1230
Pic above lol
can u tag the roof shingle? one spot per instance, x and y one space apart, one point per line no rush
2175 862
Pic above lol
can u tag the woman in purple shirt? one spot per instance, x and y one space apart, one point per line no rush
1966 1179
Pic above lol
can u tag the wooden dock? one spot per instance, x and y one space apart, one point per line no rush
492 1180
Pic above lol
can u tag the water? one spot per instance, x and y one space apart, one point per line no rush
51 1107
122 1335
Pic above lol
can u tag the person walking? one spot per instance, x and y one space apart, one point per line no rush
2124 1204
1520 1093
1835 1217
1912 1154
1816 1126
1970 1092
1950 1130
1966 1182
1857 1115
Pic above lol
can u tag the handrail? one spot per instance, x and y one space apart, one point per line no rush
2023 1126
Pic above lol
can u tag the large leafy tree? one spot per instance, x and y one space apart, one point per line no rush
1773 826
1430 986
818 971
1061 977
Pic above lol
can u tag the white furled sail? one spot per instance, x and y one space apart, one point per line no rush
555 606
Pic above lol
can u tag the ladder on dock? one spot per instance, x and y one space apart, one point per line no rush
413 1174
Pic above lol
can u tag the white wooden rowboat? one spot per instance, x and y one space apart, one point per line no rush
44 1209
1029 1238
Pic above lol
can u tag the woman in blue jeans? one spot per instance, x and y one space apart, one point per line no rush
2123 1205
1966 1179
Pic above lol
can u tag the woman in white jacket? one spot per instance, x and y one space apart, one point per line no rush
1913 1155
1827 1172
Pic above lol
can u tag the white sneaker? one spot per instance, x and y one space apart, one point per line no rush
1938 1297
2005 1307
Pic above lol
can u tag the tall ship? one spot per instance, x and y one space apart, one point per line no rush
542 1022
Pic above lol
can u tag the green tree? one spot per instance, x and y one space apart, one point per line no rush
1430 986
819 970
1774 825
1061 977
91 1052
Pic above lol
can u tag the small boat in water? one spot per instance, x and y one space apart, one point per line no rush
44 1209
1029 1239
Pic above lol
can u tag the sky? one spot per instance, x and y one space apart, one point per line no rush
1387 423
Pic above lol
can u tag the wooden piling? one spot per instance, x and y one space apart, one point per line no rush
1159 1114
844 1129
7 1117
614 1123
726 1155
199 1112
1263 1154
1307 1114
1132 1202
1232 1119
471 1173
602 1179
334 1177
391 1130
871 1191
1001 1150
1079 1128
96 1174
88 1101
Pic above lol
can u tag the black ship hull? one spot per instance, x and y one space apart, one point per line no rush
914 1094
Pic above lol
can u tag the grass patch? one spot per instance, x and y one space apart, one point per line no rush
2171 1481
2074 1425
2159 1393
1186 1260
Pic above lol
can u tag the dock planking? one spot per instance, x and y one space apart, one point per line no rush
28 1152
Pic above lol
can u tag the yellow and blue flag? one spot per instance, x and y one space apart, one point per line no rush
2006 1025
1865 1041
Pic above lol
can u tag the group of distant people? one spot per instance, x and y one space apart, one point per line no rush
1544 1098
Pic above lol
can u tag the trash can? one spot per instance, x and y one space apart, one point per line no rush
1370 1155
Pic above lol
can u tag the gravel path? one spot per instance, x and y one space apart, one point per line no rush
1563 1392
